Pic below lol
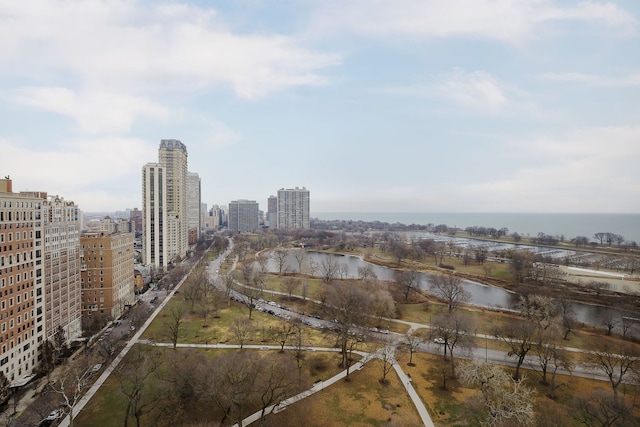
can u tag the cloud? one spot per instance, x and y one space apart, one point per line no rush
83 170
477 89
595 80
94 112
510 21
107 63
589 170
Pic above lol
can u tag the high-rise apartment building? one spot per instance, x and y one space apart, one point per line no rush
272 211
243 216
22 281
293 208
107 276
155 240
172 156
193 207
63 301
135 216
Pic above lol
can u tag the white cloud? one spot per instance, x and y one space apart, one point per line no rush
593 79
511 21
106 63
82 170
590 170
94 112
477 89
139 45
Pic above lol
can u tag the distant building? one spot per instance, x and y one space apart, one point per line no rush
107 276
293 208
272 211
193 207
22 281
243 216
135 216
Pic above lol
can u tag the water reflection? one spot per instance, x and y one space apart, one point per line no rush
481 294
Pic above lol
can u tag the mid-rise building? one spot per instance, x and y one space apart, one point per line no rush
193 207
293 208
63 300
22 282
108 280
243 216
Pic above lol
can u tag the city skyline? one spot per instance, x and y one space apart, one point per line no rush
406 106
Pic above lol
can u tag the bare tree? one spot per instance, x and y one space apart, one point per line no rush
274 383
175 318
285 330
329 269
134 376
449 288
381 304
599 409
348 306
567 315
409 281
229 283
229 384
242 331
366 273
72 382
290 285
520 338
521 265
503 398
300 256
413 342
59 343
280 255
386 355
615 360
453 329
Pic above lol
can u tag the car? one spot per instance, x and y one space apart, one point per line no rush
373 329
96 368
54 415
439 340
385 331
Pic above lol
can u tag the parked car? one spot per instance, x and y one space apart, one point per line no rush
439 340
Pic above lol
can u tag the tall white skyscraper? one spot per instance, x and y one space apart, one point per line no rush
172 156
154 216
293 208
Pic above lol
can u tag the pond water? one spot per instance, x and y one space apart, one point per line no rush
481 294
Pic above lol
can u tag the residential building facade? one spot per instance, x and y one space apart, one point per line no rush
108 277
63 300
22 281
243 216
293 208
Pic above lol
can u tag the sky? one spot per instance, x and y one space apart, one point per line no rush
372 105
